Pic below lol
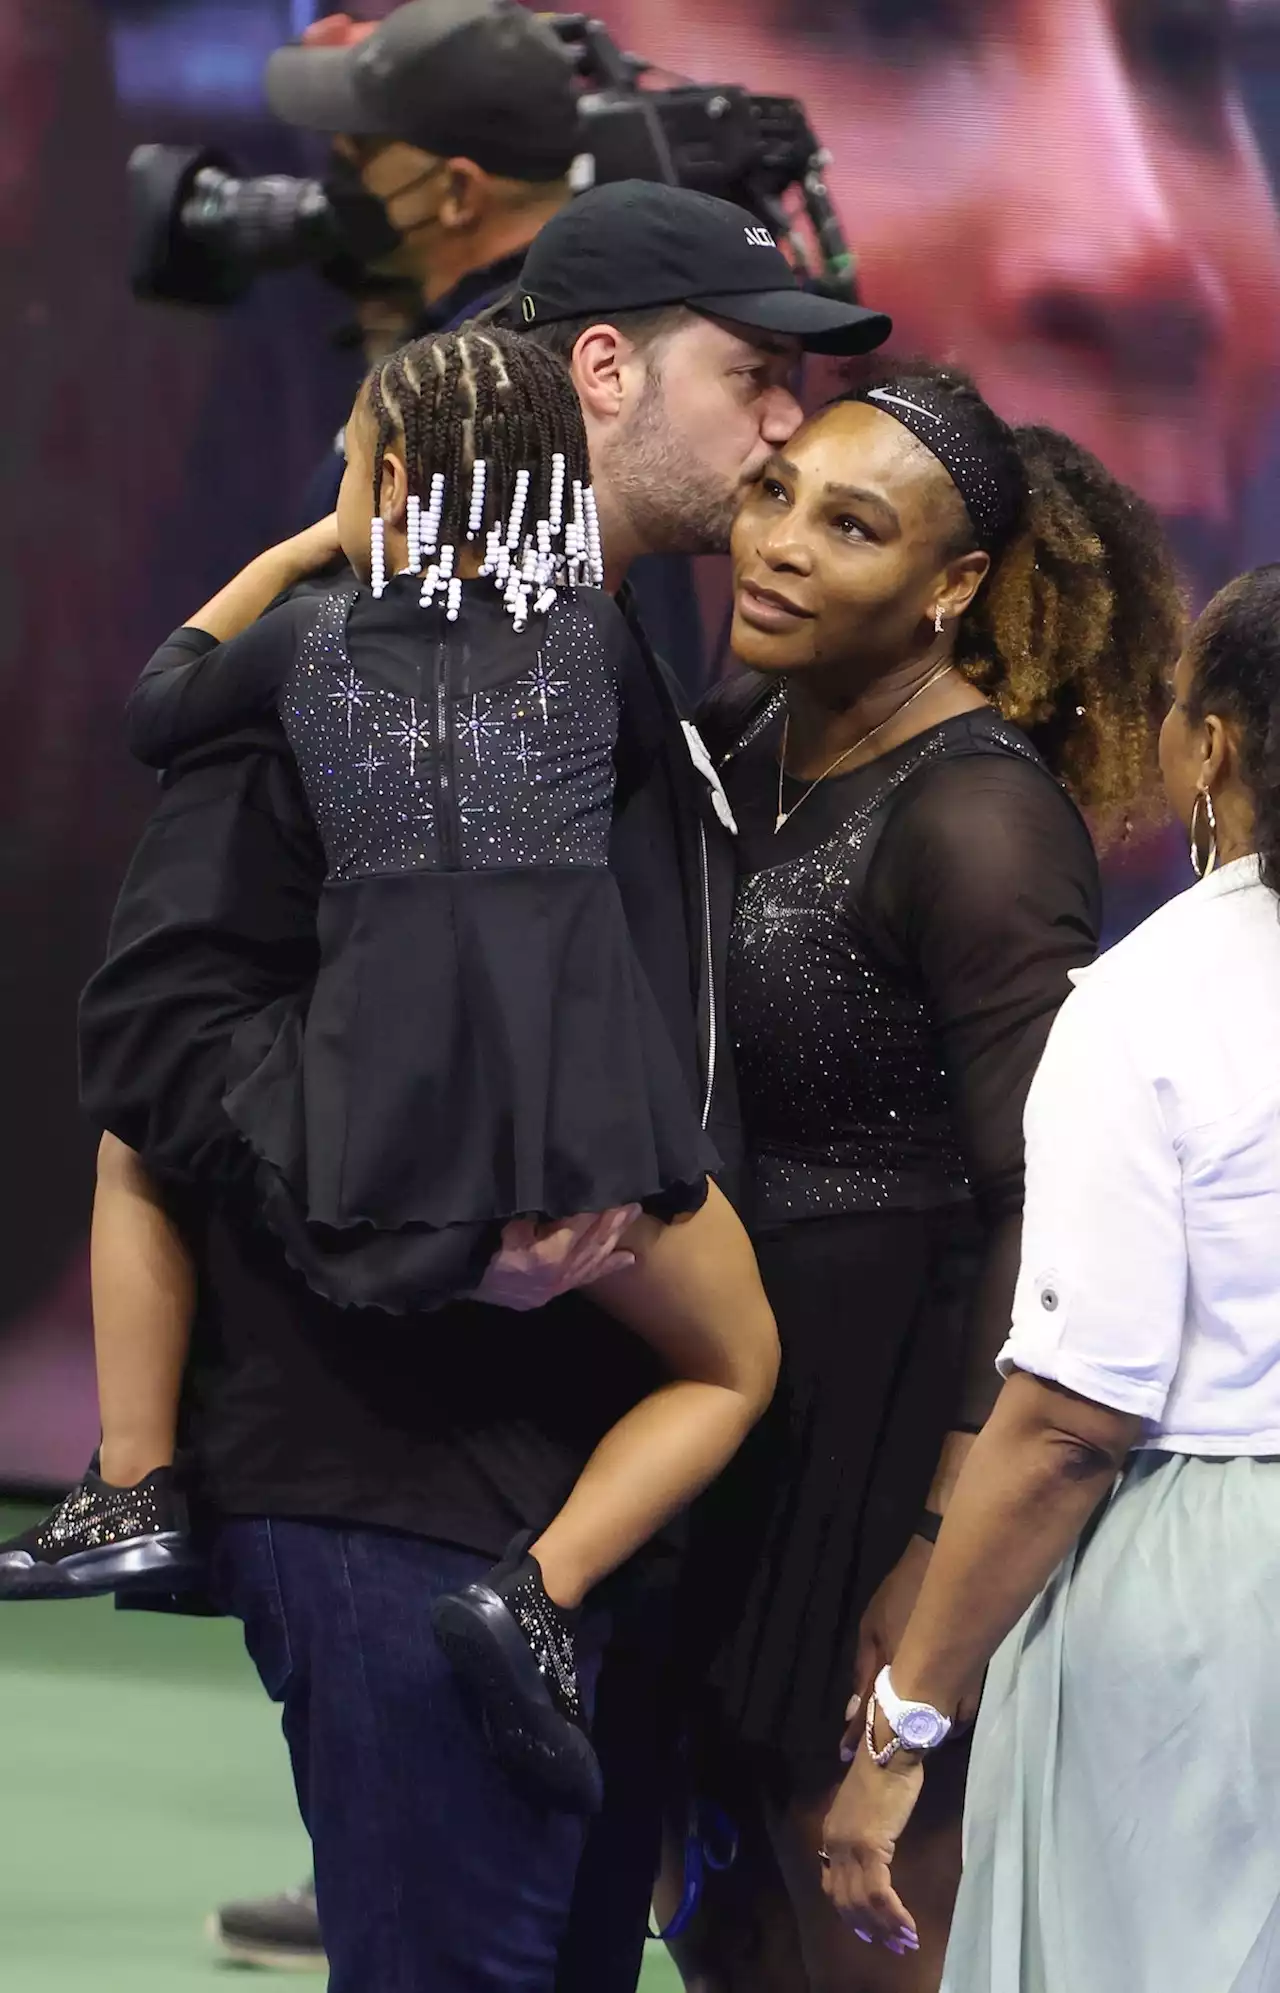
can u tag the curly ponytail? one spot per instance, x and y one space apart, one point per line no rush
1077 625
1235 672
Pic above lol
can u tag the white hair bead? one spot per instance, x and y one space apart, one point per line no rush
413 531
377 556
555 514
519 500
475 515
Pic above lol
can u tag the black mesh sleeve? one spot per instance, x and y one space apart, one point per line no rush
195 689
985 886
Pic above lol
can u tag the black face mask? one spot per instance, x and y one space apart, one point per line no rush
366 231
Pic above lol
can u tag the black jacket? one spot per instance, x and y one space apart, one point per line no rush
463 1425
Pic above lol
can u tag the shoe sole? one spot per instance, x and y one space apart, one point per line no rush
151 1563
530 1738
267 1957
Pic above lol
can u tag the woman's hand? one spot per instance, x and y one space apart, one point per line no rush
862 1832
537 1263
881 1628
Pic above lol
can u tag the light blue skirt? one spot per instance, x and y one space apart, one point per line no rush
1122 1821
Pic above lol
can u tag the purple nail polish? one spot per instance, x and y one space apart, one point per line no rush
895 1946
846 1755
864 1935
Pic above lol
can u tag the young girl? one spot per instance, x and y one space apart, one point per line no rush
480 1042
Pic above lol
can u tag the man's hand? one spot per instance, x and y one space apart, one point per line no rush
536 1263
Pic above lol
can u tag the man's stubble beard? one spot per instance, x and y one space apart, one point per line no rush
672 503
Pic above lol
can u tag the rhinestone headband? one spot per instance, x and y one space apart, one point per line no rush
943 426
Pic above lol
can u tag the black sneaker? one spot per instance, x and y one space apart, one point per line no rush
103 1539
514 1647
279 1933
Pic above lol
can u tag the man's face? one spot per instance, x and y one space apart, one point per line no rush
707 405
411 185
1062 195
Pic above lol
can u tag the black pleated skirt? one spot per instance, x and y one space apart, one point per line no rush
822 1501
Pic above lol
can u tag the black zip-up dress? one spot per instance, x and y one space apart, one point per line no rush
480 1041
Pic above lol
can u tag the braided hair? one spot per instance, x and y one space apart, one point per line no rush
1077 624
1234 654
455 397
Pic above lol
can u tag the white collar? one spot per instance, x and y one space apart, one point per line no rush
1231 878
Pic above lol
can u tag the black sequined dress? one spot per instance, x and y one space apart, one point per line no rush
899 951
480 1041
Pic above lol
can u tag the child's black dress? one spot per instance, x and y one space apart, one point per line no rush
480 1041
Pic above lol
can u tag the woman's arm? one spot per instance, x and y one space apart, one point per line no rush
984 891
1095 1343
1034 1476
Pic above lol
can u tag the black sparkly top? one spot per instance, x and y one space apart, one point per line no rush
423 745
899 951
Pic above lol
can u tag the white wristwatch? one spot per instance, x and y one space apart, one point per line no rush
918 1726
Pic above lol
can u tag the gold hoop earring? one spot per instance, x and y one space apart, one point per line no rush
1202 867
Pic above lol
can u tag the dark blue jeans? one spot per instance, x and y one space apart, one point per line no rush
433 1875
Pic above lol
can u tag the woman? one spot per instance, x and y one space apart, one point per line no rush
944 619
1122 1815
1067 198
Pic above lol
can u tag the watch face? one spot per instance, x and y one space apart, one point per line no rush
920 1729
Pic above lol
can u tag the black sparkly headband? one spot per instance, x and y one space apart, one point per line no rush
942 424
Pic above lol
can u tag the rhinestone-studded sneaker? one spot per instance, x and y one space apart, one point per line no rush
103 1539
514 1647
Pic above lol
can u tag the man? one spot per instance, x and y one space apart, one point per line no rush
354 1467
454 126
459 119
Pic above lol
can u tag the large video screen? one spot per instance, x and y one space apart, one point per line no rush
1072 198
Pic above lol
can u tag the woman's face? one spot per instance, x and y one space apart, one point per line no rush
1182 746
1061 195
838 548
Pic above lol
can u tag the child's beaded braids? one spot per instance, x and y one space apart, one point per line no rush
486 398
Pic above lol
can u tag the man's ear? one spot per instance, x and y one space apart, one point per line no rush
466 200
599 366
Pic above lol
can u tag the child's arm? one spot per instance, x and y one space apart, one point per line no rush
223 669
256 587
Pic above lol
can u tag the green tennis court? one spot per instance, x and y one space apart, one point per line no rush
142 1780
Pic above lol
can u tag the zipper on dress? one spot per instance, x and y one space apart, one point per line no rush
711 974
448 825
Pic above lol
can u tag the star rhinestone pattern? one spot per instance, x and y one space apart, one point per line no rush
518 770
835 1048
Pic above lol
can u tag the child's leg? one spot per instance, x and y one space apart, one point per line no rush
695 1297
143 1299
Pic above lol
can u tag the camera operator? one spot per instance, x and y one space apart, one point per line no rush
454 126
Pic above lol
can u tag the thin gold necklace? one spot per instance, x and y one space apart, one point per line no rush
785 816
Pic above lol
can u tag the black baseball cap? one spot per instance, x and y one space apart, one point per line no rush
473 79
634 245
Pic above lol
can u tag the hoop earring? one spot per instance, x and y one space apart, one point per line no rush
1202 867
938 620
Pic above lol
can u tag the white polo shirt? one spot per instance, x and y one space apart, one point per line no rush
1150 1275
